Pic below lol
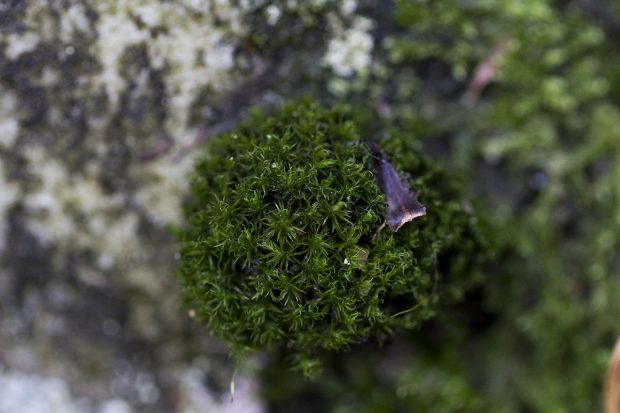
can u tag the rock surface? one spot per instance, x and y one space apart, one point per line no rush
103 105
99 104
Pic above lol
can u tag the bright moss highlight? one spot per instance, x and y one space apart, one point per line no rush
282 245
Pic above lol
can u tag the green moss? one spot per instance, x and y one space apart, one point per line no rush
280 245
540 149
370 379
540 152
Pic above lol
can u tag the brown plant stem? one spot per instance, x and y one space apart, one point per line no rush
611 381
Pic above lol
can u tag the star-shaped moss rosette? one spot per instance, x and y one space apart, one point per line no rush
281 245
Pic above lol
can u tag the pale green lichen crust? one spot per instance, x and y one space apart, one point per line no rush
87 88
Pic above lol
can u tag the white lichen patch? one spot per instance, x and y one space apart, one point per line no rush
9 194
28 393
273 14
114 406
34 393
195 397
73 23
49 222
41 24
114 236
349 51
9 126
116 33
347 7
164 184
72 211
193 42
20 43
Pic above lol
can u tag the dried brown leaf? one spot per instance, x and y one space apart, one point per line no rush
402 202
484 73
611 381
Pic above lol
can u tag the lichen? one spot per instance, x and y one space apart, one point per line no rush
73 208
349 51
87 88
19 44
8 196
194 55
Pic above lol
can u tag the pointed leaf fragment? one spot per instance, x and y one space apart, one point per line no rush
484 74
402 202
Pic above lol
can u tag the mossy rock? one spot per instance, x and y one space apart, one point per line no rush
283 243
